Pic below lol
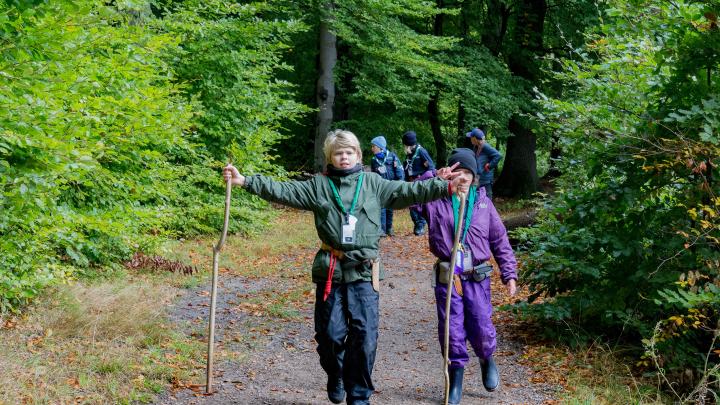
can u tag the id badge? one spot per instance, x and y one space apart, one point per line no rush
459 261
382 169
348 230
467 259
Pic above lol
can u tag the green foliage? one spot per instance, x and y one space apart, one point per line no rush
230 59
388 64
105 149
636 215
88 116
393 61
487 91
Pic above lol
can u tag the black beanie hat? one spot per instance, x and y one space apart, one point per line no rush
465 157
409 138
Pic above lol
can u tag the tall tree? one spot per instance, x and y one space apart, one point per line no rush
487 94
325 88
433 106
393 67
495 27
519 175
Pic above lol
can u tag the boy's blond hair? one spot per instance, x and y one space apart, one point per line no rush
340 138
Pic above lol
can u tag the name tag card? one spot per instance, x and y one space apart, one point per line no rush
348 230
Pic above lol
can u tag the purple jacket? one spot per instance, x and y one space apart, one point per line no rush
429 174
486 235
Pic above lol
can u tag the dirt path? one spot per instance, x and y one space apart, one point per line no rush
278 363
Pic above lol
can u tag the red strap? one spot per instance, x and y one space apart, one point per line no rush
331 270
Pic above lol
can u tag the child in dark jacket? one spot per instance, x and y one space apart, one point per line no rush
483 235
418 166
487 159
388 166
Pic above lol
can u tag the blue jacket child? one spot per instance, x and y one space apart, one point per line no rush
418 166
487 159
388 166
418 159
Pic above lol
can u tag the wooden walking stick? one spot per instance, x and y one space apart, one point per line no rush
449 293
213 293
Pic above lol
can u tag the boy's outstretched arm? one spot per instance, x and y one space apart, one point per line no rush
397 195
296 194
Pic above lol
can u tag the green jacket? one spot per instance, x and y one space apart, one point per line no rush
316 195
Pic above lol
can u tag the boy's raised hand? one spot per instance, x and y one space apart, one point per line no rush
231 172
446 173
458 184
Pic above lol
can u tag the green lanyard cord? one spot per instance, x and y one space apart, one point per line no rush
468 211
339 200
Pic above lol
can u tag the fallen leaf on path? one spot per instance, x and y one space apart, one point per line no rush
73 382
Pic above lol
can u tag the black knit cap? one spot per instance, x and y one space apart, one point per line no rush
465 157
409 138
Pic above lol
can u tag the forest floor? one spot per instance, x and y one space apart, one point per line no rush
270 353
140 335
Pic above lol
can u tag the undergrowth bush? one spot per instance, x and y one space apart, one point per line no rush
630 239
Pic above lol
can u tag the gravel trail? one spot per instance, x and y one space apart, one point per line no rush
277 362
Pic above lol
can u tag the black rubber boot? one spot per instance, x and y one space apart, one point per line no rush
456 378
335 390
490 376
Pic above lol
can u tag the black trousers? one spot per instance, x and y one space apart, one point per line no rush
346 330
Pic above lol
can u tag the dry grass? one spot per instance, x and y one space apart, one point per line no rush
108 342
599 375
257 255
97 343
107 311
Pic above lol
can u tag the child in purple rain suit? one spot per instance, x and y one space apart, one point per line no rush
483 235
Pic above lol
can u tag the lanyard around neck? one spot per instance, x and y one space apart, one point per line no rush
415 155
384 161
346 213
468 211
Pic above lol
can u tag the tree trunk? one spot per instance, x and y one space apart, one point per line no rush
494 31
461 138
325 91
519 176
434 115
433 106
555 153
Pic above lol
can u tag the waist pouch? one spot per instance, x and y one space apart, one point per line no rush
477 273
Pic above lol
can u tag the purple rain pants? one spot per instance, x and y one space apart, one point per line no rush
470 318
